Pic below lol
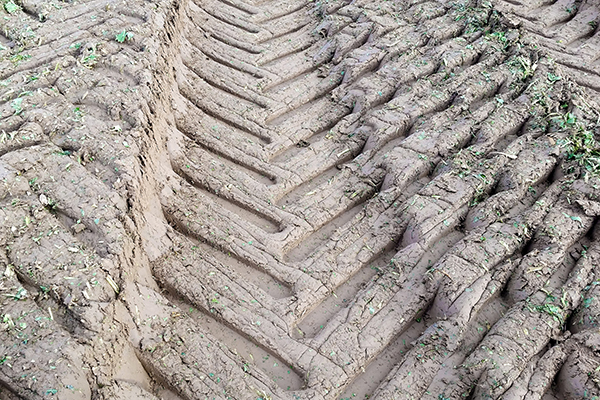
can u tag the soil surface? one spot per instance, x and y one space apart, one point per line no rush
295 199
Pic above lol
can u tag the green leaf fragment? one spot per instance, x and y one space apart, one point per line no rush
11 7
123 36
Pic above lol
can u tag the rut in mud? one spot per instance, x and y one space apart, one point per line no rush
224 199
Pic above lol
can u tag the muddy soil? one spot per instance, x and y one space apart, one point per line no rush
277 199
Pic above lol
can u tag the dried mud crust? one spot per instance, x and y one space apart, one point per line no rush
213 199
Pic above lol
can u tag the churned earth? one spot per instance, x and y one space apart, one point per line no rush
293 199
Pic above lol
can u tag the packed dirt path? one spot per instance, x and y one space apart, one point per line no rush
277 199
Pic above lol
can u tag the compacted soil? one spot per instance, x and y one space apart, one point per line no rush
292 199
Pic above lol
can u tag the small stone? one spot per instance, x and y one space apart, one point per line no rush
78 228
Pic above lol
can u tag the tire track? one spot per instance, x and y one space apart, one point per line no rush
482 154
350 191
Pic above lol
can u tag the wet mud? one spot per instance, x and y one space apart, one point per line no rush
226 199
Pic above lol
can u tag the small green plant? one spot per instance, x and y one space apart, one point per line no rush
19 57
20 294
563 121
78 112
522 67
554 311
17 105
501 38
583 148
11 7
553 78
123 36
89 57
